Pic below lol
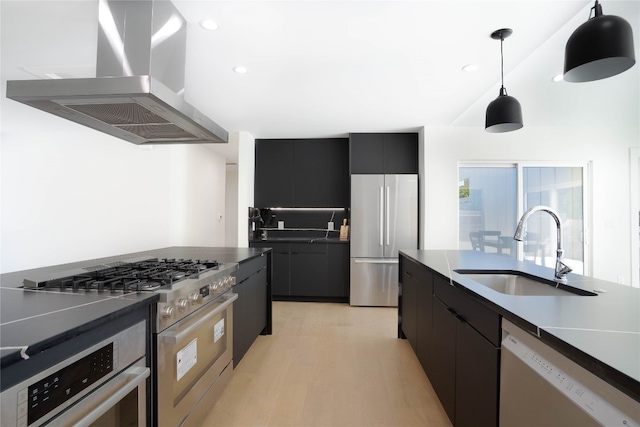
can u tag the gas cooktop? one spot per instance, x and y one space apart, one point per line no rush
129 275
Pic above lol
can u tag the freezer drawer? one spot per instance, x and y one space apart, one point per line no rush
374 282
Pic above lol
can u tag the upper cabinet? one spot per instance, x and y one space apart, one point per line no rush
384 153
302 173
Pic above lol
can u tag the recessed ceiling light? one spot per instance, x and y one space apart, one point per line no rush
240 69
469 68
557 78
209 24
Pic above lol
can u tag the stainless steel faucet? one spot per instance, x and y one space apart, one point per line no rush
561 268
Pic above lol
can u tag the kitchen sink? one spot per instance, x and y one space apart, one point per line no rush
520 284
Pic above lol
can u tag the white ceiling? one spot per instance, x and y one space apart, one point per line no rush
326 68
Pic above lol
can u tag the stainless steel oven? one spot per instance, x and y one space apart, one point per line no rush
103 385
194 362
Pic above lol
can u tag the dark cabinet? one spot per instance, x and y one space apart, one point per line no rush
424 319
338 271
309 271
251 309
477 373
409 306
302 173
387 153
443 376
456 339
280 266
273 173
466 363
308 266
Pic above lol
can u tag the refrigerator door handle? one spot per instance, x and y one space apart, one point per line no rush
375 261
387 202
381 204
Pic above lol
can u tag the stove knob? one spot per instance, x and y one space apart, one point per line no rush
195 298
183 304
168 312
212 286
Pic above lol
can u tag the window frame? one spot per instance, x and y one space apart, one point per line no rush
520 165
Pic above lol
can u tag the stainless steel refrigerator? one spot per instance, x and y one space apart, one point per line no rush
384 218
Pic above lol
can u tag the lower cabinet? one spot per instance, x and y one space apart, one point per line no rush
251 310
466 339
443 375
457 341
309 271
409 296
308 267
477 378
424 319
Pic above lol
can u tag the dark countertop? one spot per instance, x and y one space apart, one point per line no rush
300 240
37 320
601 333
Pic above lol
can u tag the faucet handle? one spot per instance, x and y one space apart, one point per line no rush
562 269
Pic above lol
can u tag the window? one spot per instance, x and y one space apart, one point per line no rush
492 198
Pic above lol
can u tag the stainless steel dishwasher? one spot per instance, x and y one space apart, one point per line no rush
541 387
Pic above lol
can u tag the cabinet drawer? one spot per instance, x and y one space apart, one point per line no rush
308 248
277 247
480 317
409 269
250 267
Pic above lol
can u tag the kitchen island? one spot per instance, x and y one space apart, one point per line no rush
42 328
599 331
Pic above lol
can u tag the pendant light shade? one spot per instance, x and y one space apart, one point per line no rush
504 114
601 47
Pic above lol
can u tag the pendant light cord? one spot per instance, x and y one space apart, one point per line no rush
501 62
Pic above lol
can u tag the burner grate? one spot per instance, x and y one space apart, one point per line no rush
123 277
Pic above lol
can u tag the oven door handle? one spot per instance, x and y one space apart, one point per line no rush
171 337
135 377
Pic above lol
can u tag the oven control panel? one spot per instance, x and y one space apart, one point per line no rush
187 300
43 396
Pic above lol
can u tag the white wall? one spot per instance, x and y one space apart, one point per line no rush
71 194
607 149
240 189
231 206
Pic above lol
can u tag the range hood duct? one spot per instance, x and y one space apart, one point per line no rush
137 92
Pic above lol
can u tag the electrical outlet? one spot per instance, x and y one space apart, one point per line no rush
330 226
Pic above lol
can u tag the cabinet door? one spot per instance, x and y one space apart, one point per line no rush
366 153
443 376
477 370
308 268
240 323
409 308
281 285
337 176
424 322
337 270
400 153
310 159
274 173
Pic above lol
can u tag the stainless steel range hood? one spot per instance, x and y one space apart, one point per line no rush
140 69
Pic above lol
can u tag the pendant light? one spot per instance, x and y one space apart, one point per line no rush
504 113
601 47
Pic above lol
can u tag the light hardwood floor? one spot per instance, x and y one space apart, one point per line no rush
329 365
